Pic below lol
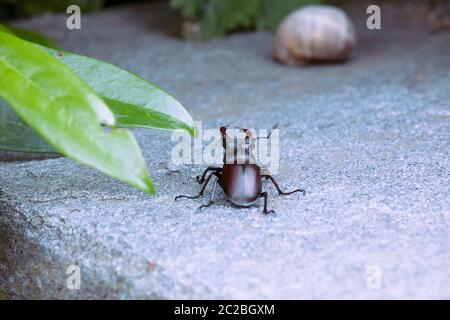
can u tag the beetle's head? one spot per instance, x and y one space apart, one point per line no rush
239 135
247 132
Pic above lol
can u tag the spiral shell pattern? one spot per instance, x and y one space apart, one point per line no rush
314 33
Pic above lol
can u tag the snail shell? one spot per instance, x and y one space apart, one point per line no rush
314 33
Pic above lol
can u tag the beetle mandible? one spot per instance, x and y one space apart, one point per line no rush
240 177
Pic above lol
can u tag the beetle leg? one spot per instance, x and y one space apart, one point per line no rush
202 190
201 178
264 195
280 192
213 196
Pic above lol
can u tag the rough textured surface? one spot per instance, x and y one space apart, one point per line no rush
369 140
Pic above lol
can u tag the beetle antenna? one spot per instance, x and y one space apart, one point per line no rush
270 132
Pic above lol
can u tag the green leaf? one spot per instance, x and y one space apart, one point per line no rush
134 101
17 136
62 109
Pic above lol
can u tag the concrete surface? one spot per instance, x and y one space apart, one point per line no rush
369 141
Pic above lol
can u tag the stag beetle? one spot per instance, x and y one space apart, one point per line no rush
240 177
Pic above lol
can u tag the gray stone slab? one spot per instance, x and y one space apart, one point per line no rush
369 140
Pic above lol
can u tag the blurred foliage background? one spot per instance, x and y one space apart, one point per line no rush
217 17
214 17
24 8
205 19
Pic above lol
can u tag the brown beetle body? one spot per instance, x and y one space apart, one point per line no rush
241 183
240 177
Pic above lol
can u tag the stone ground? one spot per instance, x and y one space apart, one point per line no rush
369 140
